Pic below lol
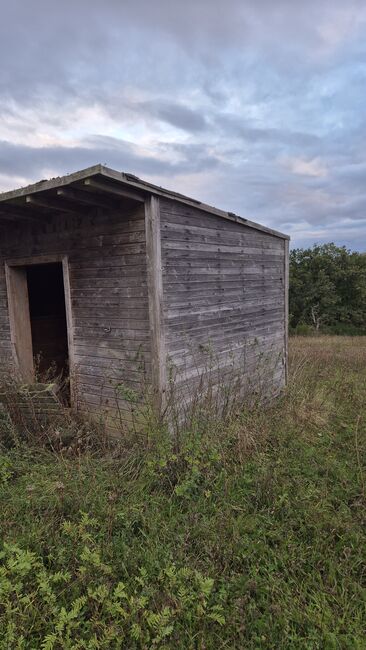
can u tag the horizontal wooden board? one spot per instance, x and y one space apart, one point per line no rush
223 288
108 290
137 293
175 229
119 349
134 275
98 334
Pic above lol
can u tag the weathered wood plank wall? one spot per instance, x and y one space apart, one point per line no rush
224 296
108 287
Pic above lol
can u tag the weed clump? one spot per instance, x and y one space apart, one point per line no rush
241 532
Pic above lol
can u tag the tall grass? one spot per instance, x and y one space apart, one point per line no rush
249 533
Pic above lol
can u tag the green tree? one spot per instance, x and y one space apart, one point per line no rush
327 287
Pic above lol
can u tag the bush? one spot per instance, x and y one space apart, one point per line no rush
303 330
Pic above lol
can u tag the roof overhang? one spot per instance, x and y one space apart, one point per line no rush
96 187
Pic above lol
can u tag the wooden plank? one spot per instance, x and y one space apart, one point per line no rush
225 341
129 285
97 334
139 187
155 293
20 327
174 229
109 304
110 325
115 295
210 267
192 280
134 354
223 285
86 198
35 259
71 229
109 262
10 213
210 263
222 248
70 328
233 307
219 291
50 204
223 333
100 273
88 396
115 190
170 207
286 305
114 374
112 251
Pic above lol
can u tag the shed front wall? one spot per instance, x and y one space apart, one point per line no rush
224 300
109 302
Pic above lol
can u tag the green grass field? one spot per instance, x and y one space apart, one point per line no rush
250 535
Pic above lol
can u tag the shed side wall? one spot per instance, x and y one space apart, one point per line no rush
107 269
224 298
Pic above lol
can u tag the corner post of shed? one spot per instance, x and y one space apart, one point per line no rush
155 293
286 299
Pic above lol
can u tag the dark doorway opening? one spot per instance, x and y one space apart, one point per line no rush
47 312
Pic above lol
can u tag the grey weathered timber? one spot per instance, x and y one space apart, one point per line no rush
156 284
224 292
99 320
155 292
286 299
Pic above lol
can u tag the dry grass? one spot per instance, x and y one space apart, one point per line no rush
349 351
248 534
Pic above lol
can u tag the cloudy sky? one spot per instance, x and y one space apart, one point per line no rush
255 106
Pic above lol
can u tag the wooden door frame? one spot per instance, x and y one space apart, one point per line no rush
19 316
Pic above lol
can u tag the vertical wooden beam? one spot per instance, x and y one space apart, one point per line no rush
19 317
70 329
155 289
286 298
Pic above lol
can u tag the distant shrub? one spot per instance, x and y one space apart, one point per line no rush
303 329
338 329
328 289
344 329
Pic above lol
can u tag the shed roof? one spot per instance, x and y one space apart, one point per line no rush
97 186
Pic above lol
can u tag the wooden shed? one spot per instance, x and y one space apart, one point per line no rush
117 282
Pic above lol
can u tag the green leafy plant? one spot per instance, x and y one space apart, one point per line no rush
246 532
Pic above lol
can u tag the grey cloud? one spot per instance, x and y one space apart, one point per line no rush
248 131
31 162
180 116
257 191
245 84
162 110
63 47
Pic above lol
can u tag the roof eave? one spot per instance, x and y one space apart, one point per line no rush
135 183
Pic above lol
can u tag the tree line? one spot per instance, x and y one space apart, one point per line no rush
327 290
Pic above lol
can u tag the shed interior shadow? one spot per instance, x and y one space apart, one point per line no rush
48 322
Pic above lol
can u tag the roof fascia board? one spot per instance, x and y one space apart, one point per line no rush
143 186
51 184
160 191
